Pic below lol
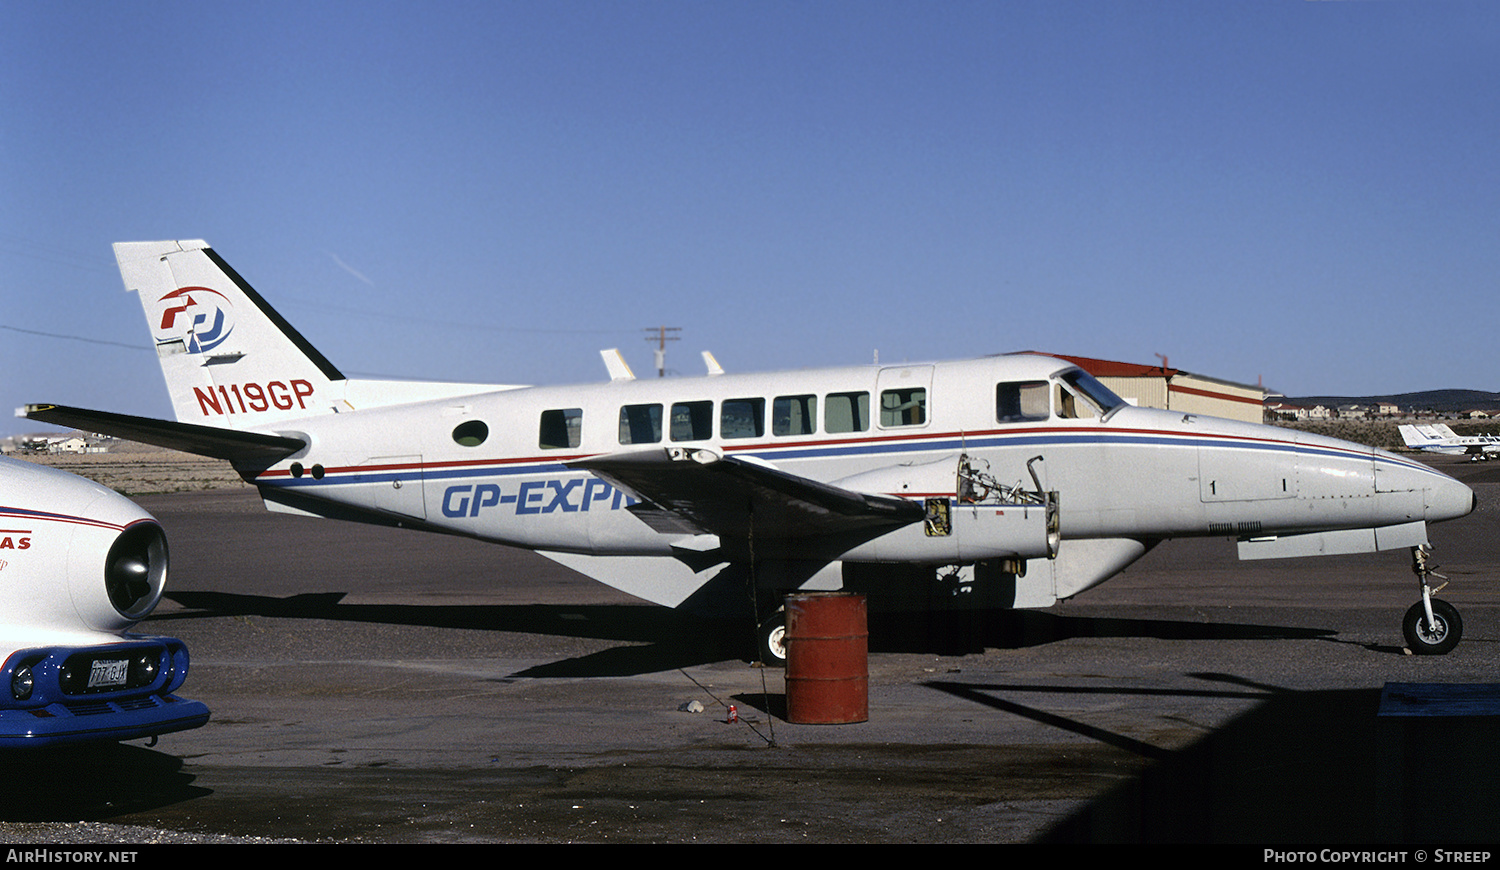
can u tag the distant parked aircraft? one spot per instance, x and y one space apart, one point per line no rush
1440 438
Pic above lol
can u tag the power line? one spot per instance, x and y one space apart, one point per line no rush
73 337
660 338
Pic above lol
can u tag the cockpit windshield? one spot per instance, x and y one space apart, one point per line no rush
1088 387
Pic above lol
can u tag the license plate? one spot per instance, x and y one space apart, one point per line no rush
109 672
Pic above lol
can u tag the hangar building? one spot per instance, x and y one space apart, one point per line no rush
1176 390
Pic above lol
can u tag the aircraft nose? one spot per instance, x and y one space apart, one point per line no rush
1448 499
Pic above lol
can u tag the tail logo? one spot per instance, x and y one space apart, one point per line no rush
203 317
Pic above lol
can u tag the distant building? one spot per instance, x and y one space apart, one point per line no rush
1176 390
72 444
1282 411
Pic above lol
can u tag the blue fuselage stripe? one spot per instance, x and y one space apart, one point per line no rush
872 447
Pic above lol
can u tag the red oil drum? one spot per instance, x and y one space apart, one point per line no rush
827 659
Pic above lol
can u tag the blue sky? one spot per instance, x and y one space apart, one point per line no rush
1306 193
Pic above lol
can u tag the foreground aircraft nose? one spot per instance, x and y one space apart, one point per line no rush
1331 471
1448 499
1443 497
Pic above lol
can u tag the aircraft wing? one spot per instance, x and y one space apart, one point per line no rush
688 491
235 446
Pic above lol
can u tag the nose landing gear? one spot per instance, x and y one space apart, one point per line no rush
1432 626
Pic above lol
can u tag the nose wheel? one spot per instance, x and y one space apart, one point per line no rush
1432 626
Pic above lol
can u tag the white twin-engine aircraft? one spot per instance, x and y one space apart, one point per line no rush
1020 472
1440 438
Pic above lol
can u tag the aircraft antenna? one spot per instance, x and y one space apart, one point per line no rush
659 335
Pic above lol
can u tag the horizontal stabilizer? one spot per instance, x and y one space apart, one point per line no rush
246 448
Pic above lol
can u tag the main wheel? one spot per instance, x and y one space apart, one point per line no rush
773 640
1432 640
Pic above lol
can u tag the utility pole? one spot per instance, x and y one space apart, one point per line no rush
659 335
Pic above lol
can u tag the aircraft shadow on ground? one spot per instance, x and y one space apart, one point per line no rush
659 638
91 783
1300 767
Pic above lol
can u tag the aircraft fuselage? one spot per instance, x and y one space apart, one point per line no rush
1119 473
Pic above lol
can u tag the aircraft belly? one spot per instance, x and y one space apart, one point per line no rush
621 533
660 581
1084 564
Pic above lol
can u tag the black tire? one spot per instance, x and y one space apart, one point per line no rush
772 636
1435 640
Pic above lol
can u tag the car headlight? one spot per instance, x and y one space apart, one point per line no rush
145 668
21 683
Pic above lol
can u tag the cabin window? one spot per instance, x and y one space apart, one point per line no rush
846 412
794 415
1022 402
692 421
561 429
742 418
903 407
640 424
470 433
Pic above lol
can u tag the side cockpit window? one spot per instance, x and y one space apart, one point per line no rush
1102 398
1072 406
1021 402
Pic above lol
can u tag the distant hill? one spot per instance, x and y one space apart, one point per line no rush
1434 400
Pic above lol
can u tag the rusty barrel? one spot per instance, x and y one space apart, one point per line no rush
827 659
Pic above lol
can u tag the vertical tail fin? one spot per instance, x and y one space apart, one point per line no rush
228 358
1415 436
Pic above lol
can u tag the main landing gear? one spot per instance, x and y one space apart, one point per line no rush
772 639
1432 626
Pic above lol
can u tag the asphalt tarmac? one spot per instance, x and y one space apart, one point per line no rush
386 686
